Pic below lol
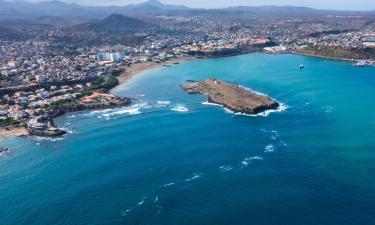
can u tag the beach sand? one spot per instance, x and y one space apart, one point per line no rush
138 68
13 132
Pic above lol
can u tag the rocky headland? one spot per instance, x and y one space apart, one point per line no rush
231 96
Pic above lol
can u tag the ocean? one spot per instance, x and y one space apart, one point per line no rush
171 158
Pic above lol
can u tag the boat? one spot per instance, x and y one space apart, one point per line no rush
301 66
360 64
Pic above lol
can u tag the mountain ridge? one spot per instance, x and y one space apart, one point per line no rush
26 10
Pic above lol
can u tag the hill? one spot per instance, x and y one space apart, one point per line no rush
117 23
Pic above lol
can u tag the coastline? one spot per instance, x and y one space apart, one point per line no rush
323 57
136 69
13 132
130 72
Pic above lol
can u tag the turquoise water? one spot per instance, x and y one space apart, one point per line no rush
170 159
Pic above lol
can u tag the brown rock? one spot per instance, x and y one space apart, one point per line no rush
231 96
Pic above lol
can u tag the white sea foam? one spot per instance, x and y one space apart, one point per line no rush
51 139
163 103
129 110
247 160
125 212
100 111
282 107
283 143
195 176
327 109
210 103
180 108
141 202
226 168
269 148
169 184
274 134
132 111
3 154
156 199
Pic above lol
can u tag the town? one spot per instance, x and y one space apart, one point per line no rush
73 68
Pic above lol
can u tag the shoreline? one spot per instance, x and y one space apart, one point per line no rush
134 70
18 131
138 68
323 57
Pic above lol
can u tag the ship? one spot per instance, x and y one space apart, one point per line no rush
301 66
360 64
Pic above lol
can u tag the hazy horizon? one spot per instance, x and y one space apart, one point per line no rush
362 5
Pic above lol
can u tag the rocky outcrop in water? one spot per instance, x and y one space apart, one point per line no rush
231 96
43 126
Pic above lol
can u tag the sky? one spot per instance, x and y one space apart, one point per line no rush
319 4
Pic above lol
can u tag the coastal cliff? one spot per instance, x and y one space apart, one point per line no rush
231 96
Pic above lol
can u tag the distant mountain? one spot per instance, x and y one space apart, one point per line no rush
295 11
117 23
160 5
25 10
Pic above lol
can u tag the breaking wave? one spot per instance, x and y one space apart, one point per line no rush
225 168
163 103
195 176
180 108
282 107
129 110
169 184
247 160
269 148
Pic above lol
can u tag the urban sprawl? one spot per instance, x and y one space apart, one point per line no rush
48 74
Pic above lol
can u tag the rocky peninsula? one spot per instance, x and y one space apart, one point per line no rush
231 96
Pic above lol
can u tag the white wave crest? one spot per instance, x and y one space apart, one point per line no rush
195 176
163 103
51 139
210 103
125 212
247 160
141 202
282 107
129 110
226 168
180 108
169 184
269 148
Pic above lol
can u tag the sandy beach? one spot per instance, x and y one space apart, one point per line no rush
13 132
138 68
135 69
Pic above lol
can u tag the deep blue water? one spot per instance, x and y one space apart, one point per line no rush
183 162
